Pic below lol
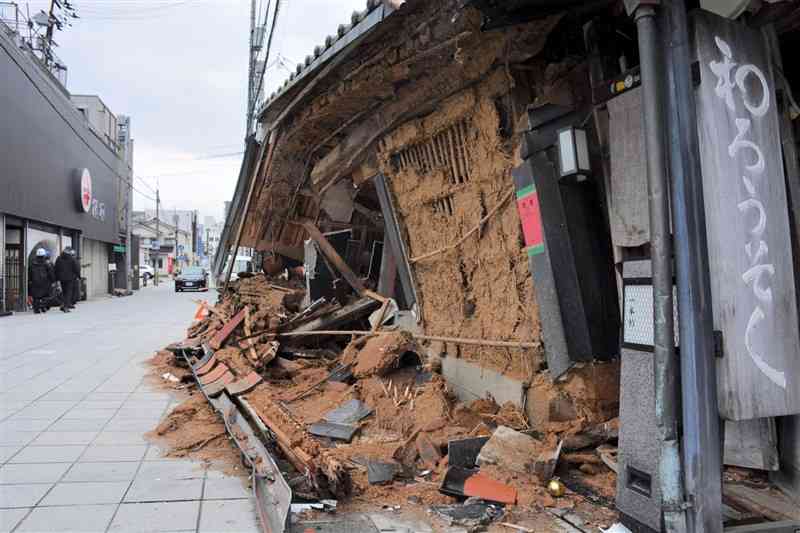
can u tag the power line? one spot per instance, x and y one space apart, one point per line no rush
146 184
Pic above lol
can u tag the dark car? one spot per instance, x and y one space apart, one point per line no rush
191 278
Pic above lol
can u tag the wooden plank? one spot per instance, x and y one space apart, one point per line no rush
394 236
747 223
227 329
788 478
628 212
751 444
766 502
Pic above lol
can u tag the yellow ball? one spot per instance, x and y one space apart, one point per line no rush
556 488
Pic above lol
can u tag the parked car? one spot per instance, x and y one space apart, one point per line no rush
146 272
194 278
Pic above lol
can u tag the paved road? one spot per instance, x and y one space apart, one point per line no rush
73 407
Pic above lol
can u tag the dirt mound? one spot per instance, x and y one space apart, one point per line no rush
164 362
378 355
192 430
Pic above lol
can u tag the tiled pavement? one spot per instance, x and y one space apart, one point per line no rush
73 408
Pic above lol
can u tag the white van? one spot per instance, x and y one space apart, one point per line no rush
243 263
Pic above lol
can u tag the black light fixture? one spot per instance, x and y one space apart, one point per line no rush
573 154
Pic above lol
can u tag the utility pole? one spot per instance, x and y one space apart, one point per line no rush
175 248
251 97
48 40
158 236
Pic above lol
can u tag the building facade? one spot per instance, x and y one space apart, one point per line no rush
163 246
65 183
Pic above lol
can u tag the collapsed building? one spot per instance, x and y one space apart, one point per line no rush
478 174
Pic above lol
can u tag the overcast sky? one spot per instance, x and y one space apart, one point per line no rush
178 68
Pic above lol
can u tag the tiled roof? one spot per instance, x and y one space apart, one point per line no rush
360 21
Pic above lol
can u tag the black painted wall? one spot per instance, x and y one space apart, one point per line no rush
44 144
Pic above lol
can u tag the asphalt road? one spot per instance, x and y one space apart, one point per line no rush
73 408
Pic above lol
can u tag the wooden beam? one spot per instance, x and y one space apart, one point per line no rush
333 256
272 140
373 216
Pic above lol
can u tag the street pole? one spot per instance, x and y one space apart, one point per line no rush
175 248
129 273
701 443
666 369
158 237
251 69
49 35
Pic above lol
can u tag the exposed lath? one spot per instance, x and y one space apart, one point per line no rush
443 205
444 150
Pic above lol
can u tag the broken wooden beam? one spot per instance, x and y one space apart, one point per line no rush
326 473
333 256
248 331
223 334
348 313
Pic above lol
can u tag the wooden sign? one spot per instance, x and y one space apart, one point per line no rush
747 222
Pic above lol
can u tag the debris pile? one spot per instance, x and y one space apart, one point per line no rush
194 431
361 418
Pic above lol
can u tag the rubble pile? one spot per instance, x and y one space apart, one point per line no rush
364 419
192 430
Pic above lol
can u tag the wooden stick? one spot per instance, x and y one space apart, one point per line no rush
494 210
248 332
454 340
518 528
279 288
453 159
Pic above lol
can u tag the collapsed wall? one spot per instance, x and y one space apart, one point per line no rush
448 171
437 107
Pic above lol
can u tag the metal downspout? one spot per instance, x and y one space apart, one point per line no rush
665 365
701 443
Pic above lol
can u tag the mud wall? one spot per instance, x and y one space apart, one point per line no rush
447 171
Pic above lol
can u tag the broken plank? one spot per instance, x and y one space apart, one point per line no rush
767 502
248 331
222 335
349 313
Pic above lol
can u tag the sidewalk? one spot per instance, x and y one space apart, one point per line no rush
73 408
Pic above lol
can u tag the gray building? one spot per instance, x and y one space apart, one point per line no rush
66 181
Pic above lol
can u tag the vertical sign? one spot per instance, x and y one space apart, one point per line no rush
750 253
531 218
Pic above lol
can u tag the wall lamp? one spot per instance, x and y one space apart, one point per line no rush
573 154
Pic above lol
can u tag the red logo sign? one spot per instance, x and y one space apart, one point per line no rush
86 190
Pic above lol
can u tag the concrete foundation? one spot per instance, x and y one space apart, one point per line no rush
470 382
638 494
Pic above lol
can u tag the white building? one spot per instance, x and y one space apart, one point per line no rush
163 246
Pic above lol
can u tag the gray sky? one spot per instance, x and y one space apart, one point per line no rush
178 68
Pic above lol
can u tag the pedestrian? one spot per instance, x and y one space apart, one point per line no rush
40 280
67 272
76 269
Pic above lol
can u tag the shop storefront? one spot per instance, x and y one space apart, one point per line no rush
62 183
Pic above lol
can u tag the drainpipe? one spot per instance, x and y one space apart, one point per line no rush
701 443
665 365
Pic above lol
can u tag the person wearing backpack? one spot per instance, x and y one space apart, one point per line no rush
67 271
41 277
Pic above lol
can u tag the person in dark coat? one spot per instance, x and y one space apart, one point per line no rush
67 271
40 280
76 270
